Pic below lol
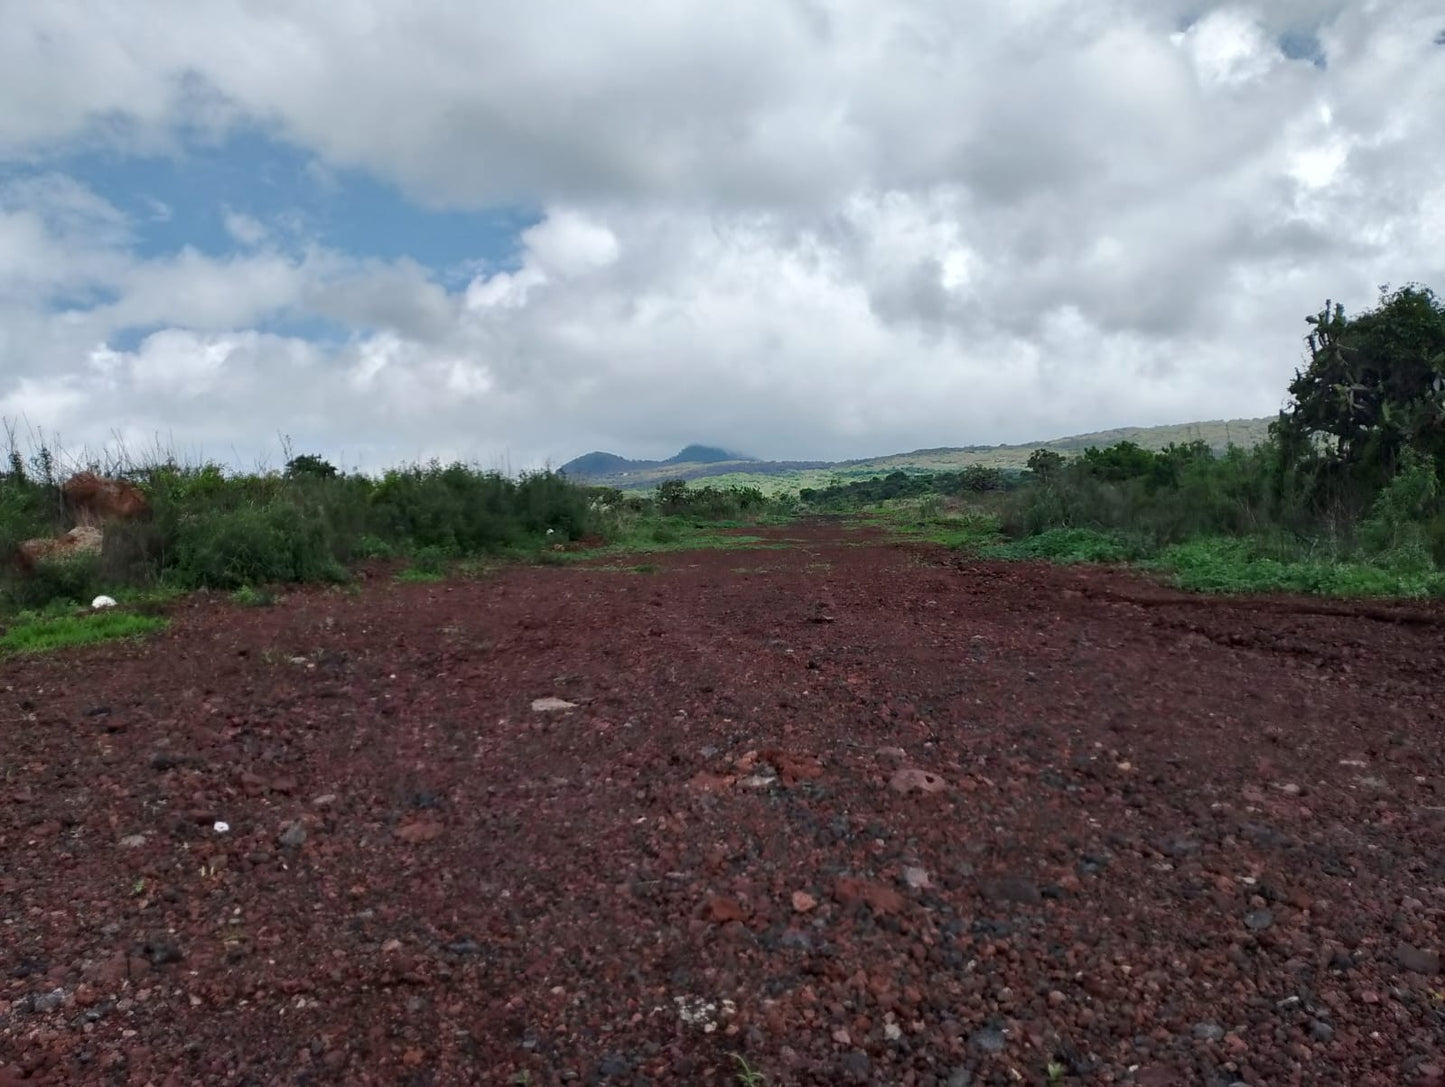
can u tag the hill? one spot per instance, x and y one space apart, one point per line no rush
724 468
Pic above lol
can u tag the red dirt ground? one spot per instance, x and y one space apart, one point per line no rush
1177 840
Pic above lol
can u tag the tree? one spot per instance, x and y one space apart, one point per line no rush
1374 387
309 465
1045 463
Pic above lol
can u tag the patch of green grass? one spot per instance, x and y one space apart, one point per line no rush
251 597
1066 545
652 535
748 1076
927 521
645 568
416 575
41 634
1229 565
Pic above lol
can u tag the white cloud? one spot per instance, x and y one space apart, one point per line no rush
245 229
803 228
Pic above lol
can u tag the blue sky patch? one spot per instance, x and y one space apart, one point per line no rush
185 199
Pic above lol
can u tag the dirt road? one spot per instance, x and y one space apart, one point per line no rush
856 811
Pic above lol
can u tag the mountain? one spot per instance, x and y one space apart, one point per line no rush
686 463
705 454
719 465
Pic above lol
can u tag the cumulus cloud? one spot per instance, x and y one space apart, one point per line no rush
800 227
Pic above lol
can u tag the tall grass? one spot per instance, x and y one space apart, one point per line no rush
218 529
1241 521
212 528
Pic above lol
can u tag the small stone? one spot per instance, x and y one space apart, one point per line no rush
722 910
960 1077
1012 889
907 781
892 1031
988 1041
423 830
1413 959
551 705
1208 1032
891 753
803 901
133 841
293 837
842 1037
324 801
48 1002
613 1065
1321 1031
882 900
1258 920
916 878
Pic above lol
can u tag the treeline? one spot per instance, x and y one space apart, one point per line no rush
1352 467
213 529
972 480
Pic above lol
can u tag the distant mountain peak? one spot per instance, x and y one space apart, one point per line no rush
598 465
705 454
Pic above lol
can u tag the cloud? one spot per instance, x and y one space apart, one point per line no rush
799 227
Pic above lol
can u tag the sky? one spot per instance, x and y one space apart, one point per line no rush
382 231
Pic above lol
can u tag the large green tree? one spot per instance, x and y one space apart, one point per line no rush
1374 389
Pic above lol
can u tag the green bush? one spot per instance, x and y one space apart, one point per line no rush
252 545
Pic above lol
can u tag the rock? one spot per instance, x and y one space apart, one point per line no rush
161 949
101 602
1012 889
842 1037
960 1077
133 841
613 1066
165 760
989 1040
891 753
419 831
48 1002
796 940
293 837
551 705
1208 1032
1159 1075
907 781
1413 959
705 781
793 768
1321 1031
722 910
803 901
1258 920
80 542
857 1066
880 899
916 878
92 500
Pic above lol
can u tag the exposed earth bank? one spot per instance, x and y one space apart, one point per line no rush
852 812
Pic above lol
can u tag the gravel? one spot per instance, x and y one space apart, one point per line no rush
1096 863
